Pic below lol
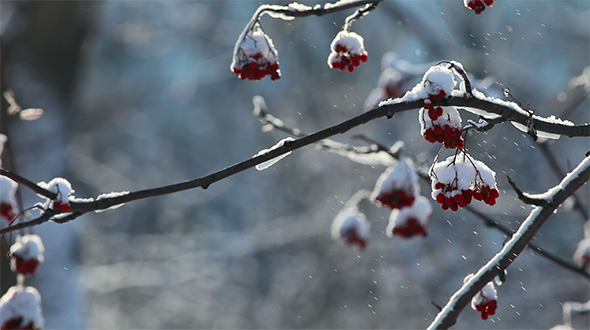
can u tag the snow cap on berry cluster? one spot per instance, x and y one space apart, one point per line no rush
485 301
351 227
462 173
28 247
7 197
20 308
438 81
255 56
348 50
410 221
582 254
397 186
61 187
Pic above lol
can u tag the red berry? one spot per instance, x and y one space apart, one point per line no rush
7 211
25 267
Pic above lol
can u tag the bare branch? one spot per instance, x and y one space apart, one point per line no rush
529 227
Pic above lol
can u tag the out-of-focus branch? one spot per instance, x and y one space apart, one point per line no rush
529 227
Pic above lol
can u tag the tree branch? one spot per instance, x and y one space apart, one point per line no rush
385 110
570 183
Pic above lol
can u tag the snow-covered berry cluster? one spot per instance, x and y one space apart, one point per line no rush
20 308
7 198
255 56
351 227
63 189
26 254
397 187
582 254
478 5
485 301
348 51
410 221
441 124
459 179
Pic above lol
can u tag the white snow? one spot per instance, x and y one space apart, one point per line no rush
61 187
548 195
269 163
3 139
437 78
295 6
352 41
400 176
23 302
111 195
28 247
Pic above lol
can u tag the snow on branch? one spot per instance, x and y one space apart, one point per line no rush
529 227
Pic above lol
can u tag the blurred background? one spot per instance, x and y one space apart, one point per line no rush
139 94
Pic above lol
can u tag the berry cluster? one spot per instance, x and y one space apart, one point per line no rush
449 136
397 187
255 57
395 199
459 179
348 51
20 308
478 5
450 197
410 221
352 237
411 228
257 68
26 254
60 206
351 228
441 124
486 308
7 197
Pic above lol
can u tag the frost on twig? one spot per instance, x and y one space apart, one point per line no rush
269 163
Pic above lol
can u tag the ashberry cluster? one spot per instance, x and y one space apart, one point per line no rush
441 124
63 189
478 5
397 187
348 51
26 254
410 221
412 227
459 179
7 198
255 57
486 308
20 308
351 227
